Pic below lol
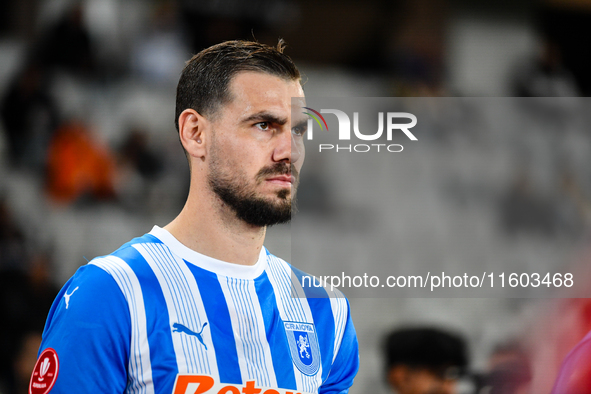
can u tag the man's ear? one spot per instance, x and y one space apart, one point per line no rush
193 132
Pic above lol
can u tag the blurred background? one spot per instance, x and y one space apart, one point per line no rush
89 157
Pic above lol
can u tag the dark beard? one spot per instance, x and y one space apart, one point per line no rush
249 208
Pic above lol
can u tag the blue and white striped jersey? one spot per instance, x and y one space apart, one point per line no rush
157 317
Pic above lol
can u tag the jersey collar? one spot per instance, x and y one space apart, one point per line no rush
209 263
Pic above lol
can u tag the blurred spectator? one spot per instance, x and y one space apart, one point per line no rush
545 76
161 53
522 210
25 300
424 361
416 47
222 20
13 250
78 167
136 153
509 371
67 45
15 18
30 116
573 210
25 359
566 24
4 19
139 168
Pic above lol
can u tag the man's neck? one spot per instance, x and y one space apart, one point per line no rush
208 226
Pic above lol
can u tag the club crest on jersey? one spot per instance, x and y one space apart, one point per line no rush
45 372
303 346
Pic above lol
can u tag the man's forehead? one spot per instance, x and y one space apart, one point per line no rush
258 89
251 77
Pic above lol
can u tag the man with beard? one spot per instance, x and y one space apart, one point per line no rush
200 306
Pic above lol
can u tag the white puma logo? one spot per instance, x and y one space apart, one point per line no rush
67 297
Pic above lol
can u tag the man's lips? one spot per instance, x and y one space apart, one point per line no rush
283 180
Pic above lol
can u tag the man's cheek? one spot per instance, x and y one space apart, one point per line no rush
298 152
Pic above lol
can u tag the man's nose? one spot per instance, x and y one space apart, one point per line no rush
288 149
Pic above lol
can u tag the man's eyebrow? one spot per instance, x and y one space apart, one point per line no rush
265 117
303 123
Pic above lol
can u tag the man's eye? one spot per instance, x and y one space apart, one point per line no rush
263 125
299 130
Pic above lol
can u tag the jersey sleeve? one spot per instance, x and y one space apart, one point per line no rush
346 362
89 329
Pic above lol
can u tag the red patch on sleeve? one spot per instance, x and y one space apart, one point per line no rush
45 372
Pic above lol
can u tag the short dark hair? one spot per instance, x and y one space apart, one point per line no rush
204 82
425 348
